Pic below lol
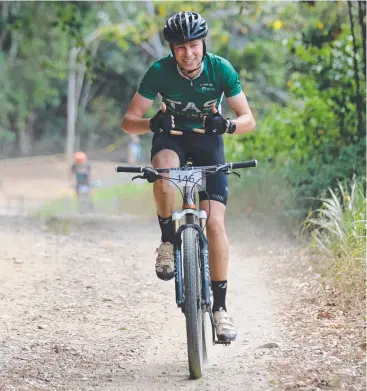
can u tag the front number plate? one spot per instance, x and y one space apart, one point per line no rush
185 178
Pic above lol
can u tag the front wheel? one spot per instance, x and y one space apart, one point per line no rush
193 311
85 203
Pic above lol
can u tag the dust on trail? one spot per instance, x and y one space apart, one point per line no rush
86 311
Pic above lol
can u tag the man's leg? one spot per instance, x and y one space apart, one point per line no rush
218 262
217 240
164 196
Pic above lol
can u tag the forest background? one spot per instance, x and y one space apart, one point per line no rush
69 69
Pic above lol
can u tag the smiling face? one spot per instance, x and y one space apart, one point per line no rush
189 55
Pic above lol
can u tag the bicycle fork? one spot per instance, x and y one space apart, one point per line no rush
204 259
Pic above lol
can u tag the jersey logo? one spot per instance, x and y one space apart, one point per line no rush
207 87
189 109
191 106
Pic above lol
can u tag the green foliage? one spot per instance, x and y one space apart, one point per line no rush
338 229
69 18
30 68
339 225
100 125
330 165
6 135
318 138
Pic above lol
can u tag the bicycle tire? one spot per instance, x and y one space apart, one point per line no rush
193 311
85 204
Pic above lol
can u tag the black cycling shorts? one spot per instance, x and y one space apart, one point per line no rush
204 151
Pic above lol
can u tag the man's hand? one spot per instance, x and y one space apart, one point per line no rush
163 122
214 124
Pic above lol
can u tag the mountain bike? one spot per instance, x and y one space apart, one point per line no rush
84 196
190 244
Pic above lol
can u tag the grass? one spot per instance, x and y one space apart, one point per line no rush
338 235
123 198
112 200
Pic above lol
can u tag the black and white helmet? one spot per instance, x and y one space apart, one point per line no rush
185 26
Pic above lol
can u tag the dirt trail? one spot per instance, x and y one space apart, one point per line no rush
86 311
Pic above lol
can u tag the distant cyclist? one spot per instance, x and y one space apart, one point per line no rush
192 83
133 149
81 172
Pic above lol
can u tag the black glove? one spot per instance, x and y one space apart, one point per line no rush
162 122
214 124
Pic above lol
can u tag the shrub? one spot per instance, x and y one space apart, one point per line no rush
338 230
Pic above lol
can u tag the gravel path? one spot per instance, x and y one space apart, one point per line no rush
85 311
81 307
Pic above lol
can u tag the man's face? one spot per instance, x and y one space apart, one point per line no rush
189 54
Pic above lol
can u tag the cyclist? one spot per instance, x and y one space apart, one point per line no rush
81 171
191 82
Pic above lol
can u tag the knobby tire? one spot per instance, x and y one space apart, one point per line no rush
193 311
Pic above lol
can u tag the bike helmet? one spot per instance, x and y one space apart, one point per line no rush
185 26
80 157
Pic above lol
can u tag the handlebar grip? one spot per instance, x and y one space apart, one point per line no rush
132 169
250 163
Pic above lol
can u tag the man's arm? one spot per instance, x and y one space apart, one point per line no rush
133 121
245 121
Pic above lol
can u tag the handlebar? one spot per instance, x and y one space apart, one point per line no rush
248 164
132 169
151 172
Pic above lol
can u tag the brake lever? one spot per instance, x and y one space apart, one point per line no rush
137 177
150 174
225 169
232 172
235 173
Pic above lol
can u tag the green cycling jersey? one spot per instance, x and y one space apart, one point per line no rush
188 100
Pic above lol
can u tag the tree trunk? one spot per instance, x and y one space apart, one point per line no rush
75 85
362 23
4 16
23 144
359 98
83 96
24 135
71 110
344 132
156 42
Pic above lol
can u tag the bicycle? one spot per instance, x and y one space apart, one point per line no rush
84 198
191 258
